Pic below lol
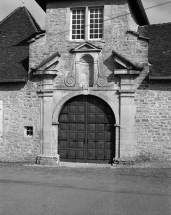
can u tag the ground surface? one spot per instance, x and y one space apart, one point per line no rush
85 190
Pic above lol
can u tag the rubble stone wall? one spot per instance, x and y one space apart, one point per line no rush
21 107
152 120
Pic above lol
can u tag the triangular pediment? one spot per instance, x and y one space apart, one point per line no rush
86 47
49 63
124 63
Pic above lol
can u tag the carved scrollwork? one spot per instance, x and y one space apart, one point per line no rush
70 81
101 81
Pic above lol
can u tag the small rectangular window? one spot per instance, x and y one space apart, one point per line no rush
29 131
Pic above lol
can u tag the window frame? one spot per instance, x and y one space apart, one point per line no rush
87 22
28 131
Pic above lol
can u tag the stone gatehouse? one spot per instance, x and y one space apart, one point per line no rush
90 77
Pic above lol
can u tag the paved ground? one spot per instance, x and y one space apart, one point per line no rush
85 190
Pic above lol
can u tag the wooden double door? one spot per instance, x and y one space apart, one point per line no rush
86 130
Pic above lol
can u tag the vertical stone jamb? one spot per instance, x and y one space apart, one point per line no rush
49 149
127 111
117 142
126 144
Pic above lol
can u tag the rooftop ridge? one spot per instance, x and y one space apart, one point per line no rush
9 15
32 20
34 24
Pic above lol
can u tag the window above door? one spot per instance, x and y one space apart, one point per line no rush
87 23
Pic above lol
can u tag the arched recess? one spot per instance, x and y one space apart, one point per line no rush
87 70
61 103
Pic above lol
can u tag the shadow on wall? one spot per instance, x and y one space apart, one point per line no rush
110 66
17 86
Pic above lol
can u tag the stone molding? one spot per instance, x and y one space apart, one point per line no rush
60 104
78 53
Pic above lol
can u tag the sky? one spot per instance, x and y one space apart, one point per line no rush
160 14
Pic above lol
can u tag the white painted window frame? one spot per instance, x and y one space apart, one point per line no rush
87 23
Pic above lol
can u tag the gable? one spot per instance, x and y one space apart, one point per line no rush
124 64
48 64
15 30
135 5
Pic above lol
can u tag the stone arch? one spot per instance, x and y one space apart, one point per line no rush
86 58
62 102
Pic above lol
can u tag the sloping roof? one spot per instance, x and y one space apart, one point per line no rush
136 7
159 48
15 30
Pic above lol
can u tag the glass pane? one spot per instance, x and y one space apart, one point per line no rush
78 24
100 25
101 31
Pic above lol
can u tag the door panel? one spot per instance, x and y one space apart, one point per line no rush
86 130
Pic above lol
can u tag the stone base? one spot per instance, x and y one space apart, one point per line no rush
121 161
47 160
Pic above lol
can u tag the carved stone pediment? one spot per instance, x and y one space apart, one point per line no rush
48 65
86 47
125 66
86 67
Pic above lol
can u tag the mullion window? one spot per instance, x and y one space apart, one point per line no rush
87 23
78 24
96 23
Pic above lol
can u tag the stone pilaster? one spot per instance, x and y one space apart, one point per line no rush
49 147
127 144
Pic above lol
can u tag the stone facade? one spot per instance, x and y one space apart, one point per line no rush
21 108
114 69
19 102
115 85
152 120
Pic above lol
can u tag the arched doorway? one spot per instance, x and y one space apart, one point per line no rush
86 130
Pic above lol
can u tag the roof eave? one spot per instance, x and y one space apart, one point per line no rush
136 6
139 12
